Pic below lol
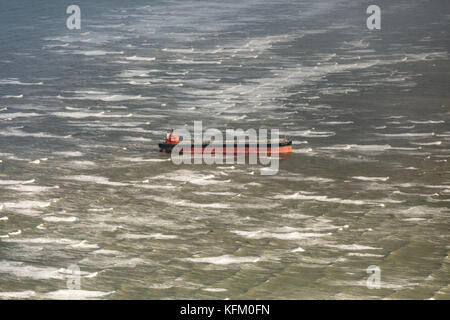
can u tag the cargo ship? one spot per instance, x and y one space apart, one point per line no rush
284 147
266 148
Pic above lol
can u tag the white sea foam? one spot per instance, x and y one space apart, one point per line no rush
15 81
96 52
31 189
359 254
305 150
310 133
84 245
158 236
414 219
107 252
371 178
354 247
94 179
406 135
67 294
136 58
21 270
17 132
60 219
427 121
419 212
17 295
140 139
61 241
191 177
405 148
434 143
358 147
81 115
140 159
15 182
14 115
262 234
26 204
99 95
335 123
100 209
225 259
300 196
215 289
135 73
227 168
139 82
297 216
69 153
210 193
156 187
81 164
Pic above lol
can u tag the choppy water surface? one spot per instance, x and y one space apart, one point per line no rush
82 181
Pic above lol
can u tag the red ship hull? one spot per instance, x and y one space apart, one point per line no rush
284 147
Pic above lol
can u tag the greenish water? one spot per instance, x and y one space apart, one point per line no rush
82 182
